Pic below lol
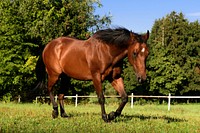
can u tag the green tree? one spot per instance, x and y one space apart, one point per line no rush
174 55
27 26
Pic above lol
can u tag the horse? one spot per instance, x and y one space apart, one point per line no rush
97 59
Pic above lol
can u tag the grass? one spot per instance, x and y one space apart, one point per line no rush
29 118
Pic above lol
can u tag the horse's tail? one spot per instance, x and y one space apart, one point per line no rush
40 74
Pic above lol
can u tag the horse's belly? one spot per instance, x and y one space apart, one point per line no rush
77 69
78 74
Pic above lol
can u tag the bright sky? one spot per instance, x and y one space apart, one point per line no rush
140 15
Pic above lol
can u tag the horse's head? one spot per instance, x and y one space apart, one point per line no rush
137 54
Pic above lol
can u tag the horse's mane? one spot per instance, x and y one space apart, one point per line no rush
118 36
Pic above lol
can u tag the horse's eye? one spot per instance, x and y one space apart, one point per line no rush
134 54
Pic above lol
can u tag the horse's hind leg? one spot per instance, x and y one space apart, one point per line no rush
51 81
65 81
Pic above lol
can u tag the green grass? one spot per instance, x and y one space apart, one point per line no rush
30 118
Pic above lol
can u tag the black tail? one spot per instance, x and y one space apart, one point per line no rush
40 74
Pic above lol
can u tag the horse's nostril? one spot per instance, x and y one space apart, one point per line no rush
139 79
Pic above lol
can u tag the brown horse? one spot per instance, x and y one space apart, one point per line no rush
97 58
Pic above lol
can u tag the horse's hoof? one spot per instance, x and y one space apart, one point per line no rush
54 114
105 118
64 115
112 115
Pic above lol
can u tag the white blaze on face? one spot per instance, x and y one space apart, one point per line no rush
143 49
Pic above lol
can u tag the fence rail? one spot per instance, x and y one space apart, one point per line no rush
169 97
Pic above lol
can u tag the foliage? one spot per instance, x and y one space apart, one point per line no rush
27 25
174 56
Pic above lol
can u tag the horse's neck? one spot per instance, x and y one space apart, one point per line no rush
121 55
108 50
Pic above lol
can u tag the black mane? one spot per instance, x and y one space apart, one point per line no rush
118 37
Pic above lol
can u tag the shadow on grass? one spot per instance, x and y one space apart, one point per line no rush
148 117
125 118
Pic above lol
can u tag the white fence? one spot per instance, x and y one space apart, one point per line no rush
169 97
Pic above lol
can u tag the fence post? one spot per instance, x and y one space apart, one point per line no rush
36 100
76 101
131 100
19 98
56 98
169 100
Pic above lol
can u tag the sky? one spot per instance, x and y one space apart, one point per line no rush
140 15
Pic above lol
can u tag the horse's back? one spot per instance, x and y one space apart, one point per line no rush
67 55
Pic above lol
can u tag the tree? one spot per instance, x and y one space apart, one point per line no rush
174 55
27 25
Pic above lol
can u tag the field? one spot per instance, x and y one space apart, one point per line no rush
36 118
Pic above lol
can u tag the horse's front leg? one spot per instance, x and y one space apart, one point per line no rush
118 84
101 99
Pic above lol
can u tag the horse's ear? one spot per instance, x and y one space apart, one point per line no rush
146 36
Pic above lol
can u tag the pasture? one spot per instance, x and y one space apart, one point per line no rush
30 118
